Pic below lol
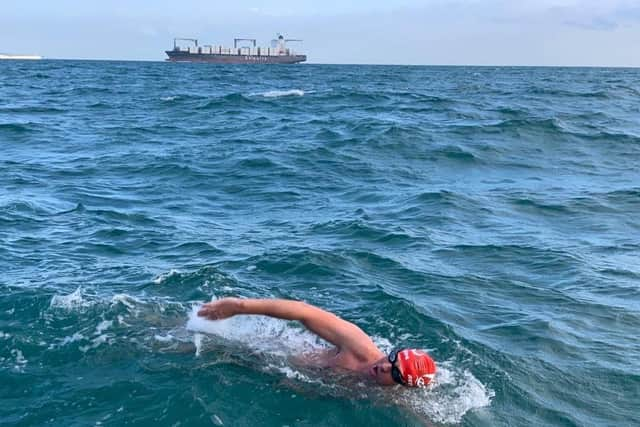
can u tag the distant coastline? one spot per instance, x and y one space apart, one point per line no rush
9 56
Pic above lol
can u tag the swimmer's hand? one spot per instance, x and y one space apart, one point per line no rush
221 309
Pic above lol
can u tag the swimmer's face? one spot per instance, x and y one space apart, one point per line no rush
381 371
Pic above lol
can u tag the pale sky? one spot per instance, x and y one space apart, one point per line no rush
456 32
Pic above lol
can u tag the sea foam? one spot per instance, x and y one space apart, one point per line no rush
71 301
452 394
273 336
281 93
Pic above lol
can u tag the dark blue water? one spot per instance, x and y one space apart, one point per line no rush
489 215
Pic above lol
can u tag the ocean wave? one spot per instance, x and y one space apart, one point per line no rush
542 207
194 249
163 278
228 100
631 140
89 90
23 213
529 254
628 195
555 92
280 93
357 229
549 125
421 98
75 300
427 201
97 105
31 110
17 128
354 96
455 152
262 163
111 216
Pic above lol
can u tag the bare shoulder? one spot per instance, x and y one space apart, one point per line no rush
357 347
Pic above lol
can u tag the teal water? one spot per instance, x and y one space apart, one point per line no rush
489 215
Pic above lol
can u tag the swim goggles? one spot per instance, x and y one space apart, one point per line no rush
395 372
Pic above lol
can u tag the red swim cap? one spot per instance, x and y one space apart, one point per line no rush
418 368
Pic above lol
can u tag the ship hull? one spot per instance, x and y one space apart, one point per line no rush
215 58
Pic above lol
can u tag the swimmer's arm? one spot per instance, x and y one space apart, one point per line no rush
328 326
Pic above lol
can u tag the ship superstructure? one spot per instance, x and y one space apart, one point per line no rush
277 53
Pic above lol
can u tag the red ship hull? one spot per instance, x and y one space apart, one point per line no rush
215 58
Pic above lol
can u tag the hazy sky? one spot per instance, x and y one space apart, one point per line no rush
486 32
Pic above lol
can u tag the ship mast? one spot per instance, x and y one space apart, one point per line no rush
175 44
235 42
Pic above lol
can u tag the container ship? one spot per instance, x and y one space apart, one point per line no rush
278 53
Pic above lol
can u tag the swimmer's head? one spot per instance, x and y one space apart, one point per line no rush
411 368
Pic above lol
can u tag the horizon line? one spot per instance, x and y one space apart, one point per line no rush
351 64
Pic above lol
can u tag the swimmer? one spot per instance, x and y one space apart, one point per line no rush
354 350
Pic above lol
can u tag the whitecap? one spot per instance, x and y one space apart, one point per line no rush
280 93
20 360
166 338
126 300
161 278
73 338
96 342
71 301
104 325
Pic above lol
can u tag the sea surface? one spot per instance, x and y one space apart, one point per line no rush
488 215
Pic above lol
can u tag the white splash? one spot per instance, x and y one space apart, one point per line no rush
168 98
70 301
127 300
73 338
96 342
20 360
104 325
161 278
449 397
165 338
280 93
273 336
197 341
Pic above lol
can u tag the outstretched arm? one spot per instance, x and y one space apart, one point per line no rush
343 334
